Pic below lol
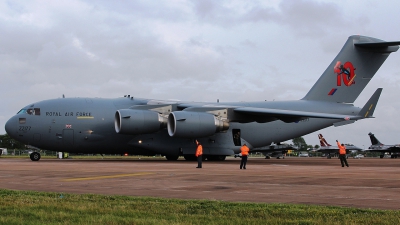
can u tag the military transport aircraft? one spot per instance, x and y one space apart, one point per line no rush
147 127
329 149
377 146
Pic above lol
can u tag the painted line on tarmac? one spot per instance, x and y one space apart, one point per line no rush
108 177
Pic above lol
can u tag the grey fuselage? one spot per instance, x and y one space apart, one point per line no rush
87 125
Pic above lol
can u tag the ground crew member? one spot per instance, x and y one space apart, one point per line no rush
342 154
199 154
245 152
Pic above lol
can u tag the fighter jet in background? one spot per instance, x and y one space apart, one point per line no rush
278 150
140 126
330 150
377 146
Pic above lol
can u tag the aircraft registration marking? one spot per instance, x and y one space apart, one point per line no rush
108 177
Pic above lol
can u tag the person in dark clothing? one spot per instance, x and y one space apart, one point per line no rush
245 152
199 154
342 154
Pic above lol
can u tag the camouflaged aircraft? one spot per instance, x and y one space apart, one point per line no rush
376 146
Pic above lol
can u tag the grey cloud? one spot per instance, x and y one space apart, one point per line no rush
304 17
190 50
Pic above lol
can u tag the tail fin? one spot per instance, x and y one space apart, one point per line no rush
322 141
374 140
351 70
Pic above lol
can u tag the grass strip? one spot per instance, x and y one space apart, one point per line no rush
29 207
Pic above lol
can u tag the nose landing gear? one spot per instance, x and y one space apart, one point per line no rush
35 156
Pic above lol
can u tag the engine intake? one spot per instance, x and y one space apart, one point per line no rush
186 124
131 121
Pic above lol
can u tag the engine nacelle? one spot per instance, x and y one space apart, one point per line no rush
187 124
132 121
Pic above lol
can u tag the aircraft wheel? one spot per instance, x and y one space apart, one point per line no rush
35 156
267 157
381 156
172 157
329 157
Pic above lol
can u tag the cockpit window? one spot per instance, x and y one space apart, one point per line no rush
30 111
22 111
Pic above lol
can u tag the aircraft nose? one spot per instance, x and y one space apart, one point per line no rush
10 126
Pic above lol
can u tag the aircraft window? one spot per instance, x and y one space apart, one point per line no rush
30 111
33 111
22 111
37 111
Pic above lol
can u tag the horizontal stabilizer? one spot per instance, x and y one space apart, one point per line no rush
368 110
378 44
342 123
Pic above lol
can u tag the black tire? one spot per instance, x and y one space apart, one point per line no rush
172 157
35 156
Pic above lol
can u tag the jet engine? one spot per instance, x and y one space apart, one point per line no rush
131 121
187 124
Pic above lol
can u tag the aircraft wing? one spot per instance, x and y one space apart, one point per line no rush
394 148
279 113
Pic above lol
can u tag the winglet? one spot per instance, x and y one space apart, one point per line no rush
368 110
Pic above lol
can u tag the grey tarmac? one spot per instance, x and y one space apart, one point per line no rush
367 183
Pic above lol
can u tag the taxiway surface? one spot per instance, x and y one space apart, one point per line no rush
367 183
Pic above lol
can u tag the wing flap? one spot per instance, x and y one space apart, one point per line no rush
278 113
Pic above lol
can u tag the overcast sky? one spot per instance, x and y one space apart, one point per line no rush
199 50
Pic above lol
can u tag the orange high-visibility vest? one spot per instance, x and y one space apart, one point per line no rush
244 150
199 150
342 149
